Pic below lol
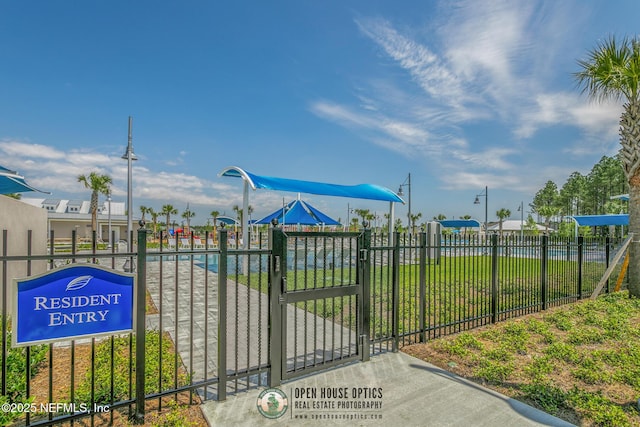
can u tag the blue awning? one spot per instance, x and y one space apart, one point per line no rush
11 182
459 223
623 197
360 191
596 220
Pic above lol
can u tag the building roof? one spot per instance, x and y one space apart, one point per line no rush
514 225
61 208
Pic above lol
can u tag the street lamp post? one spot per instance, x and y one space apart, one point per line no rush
486 206
521 209
129 156
407 183
129 264
109 216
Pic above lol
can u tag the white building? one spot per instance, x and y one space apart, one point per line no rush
64 216
515 225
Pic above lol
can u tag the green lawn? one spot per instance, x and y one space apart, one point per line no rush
580 362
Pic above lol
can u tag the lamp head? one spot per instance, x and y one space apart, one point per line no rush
476 201
400 192
125 156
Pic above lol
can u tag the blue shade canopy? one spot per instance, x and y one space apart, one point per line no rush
11 182
623 197
298 212
596 220
226 220
360 191
459 223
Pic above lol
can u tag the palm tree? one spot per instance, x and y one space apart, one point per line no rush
188 214
362 213
168 210
502 214
154 220
98 184
414 219
144 210
547 212
214 215
612 71
238 210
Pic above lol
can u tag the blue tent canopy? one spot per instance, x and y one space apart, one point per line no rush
597 220
299 212
360 191
459 223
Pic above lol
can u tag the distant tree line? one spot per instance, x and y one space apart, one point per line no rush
584 194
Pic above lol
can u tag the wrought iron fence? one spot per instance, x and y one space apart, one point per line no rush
446 284
212 305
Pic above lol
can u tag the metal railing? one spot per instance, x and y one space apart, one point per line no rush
215 316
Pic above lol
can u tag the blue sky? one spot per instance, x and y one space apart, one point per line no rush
462 95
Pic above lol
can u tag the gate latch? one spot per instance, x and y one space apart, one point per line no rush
363 254
283 289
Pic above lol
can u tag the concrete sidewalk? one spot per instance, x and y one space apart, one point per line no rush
394 388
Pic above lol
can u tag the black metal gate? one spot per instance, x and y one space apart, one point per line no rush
320 301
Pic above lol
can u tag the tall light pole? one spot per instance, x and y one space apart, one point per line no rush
129 156
407 183
521 209
486 206
109 216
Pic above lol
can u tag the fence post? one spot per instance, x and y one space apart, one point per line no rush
395 321
423 287
277 243
543 267
141 323
494 278
3 361
365 293
607 245
222 313
580 253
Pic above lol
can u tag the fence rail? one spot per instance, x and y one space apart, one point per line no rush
209 310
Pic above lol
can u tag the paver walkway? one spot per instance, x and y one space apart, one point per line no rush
190 312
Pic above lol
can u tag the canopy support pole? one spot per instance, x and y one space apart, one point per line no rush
391 223
245 215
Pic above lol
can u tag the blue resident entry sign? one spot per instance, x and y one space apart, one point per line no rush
79 300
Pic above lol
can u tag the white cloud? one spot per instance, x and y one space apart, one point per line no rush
487 64
462 180
35 151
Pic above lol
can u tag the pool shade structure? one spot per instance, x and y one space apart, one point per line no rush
12 182
359 191
599 220
460 223
298 212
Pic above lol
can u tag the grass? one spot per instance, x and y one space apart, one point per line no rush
108 381
579 362
457 288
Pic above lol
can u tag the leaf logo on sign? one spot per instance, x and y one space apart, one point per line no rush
78 283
